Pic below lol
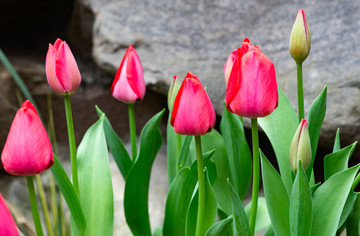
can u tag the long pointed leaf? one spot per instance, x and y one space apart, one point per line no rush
277 199
220 228
96 193
238 152
137 181
329 200
315 118
337 145
171 151
353 222
70 195
117 148
240 220
280 127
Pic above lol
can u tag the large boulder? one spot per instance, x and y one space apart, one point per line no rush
173 37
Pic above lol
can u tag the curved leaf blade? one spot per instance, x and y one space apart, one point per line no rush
96 193
329 200
117 148
275 193
280 127
70 195
220 228
238 152
137 181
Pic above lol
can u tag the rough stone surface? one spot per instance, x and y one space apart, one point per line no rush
173 37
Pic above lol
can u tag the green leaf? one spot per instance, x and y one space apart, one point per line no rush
184 156
171 151
314 188
210 210
337 161
238 152
220 228
96 193
277 199
240 220
300 205
329 200
158 231
70 195
210 141
353 222
337 141
117 148
280 127
315 118
179 196
262 215
350 201
270 231
137 181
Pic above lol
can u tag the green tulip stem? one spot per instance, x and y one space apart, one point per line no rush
132 126
255 190
34 207
300 91
201 181
72 144
44 204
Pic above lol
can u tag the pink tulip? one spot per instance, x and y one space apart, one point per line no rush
193 112
129 85
252 89
27 150
61 69
228 66
7 223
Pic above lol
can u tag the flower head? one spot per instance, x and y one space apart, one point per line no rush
193 112
27 150
129 85
300 39
62 72
173 91
7 223
228 66
252 89
300 148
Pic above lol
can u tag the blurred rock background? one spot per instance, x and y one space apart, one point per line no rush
174 37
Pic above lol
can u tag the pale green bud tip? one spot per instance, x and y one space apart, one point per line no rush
300 148
173 90
300 38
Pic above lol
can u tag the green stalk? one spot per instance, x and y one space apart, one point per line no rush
201 179
255 190
300 91
178 149
132 126
34 208
72 144
44 204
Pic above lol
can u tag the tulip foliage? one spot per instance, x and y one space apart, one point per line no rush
210 170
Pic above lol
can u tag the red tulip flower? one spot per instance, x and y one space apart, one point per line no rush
62 71
7 223
27 150
129 85
252 89
228 66
193 112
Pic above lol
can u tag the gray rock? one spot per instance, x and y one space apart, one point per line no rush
174 37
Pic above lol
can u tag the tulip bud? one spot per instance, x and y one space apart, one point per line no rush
62 72
173 91
228 66
7 223
300 39
193 112
252 89
27 150
300 148
129 85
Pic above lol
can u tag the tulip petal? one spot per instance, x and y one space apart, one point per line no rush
7 223
122 89
193 113
27 150
67 70
57 44
50 66
134 74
